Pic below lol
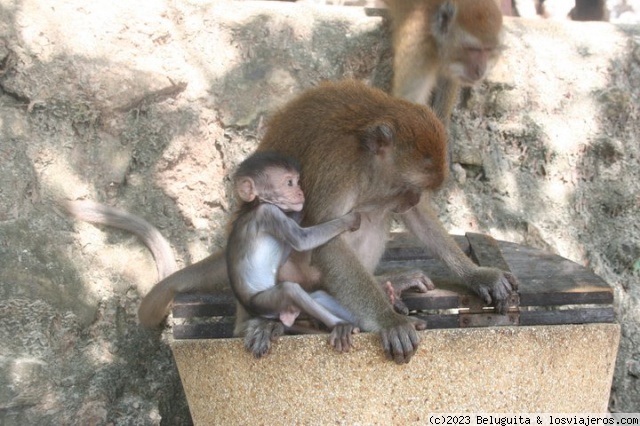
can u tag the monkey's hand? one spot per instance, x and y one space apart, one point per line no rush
494 286
261 332
341 336
354 221
394 285
401 341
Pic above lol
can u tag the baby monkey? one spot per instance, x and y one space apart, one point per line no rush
262 236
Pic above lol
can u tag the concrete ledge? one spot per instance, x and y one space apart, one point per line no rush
565 368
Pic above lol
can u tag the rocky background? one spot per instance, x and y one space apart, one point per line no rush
149 105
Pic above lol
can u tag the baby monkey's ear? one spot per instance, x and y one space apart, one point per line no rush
246 189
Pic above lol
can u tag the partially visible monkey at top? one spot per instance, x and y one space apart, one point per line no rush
440 45
262 235
357 146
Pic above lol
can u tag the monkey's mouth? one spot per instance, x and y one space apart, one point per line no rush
466 81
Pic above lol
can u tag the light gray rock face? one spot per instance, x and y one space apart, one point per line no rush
148 106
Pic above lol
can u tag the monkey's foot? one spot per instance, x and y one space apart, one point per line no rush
395 285
261 332
341 336
289 315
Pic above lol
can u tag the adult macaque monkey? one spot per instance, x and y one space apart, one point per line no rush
262 235
441 44
357 146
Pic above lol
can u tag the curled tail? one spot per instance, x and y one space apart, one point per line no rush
207 275
90 211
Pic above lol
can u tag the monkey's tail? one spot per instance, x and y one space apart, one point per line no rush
90 211
155 305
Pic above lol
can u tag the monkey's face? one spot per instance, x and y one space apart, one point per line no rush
424 175
475 65
473 61
421 153
283 190
474 43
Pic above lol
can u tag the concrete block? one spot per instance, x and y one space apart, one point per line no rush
550 369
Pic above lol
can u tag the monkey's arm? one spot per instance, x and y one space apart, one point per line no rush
357 290
443 100
493 285
415 62
283 227
444 97
413 76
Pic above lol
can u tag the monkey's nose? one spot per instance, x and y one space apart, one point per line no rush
479 72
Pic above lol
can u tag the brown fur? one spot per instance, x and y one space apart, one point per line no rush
357 147
326 126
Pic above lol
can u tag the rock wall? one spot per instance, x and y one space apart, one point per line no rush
149 106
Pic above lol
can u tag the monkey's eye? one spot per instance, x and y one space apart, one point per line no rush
290 182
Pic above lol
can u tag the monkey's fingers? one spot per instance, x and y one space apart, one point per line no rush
484 294
411 280
419 281
513 280
494 286
501 292
502 306
418 323
257 345
507 286
400 307
394 298
511 284
400 343
341 337
276 330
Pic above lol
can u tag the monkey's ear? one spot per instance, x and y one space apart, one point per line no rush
246 189
378 138
443 19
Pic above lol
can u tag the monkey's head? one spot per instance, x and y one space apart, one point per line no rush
410 147
270 177
468 34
